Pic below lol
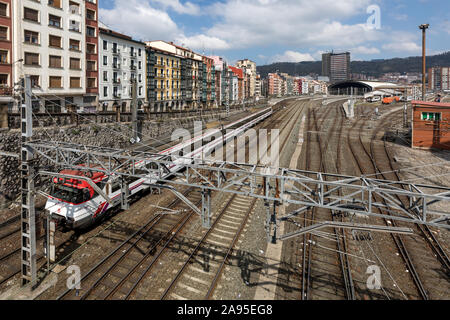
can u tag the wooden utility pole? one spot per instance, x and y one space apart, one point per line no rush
424 28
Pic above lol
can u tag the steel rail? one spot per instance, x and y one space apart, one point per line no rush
397 239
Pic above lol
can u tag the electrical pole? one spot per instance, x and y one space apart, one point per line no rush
134 107
424 28
28 215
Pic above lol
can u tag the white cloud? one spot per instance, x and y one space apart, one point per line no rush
292 56
203 42
182 8
403 46
364 50
140 20
246 23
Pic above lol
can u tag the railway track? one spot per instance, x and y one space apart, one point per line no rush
384 169
321 279
367 167
374 165
103 280
119 276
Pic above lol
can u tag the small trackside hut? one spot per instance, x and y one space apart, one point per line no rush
431 125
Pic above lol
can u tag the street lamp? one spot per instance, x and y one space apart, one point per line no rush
424 28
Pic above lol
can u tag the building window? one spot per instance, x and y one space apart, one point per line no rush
3 9
91 66
92 82
90 32
74 8
31 59
90 48
3 56
55 62
105 76
34 81
3 80
105 60
3 33
54 41
54 21
140 52
55 82
140 65
74 26
54 3
90 14
74 45
53 106
31 37
105 45
431 116
75 82
30 14
105 91
75 63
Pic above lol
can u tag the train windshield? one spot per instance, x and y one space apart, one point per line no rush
68 194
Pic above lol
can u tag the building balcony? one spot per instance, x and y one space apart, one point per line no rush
117 95
116 66
6 91
116 52
133 67
116 81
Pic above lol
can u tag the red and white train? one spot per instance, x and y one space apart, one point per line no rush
74 204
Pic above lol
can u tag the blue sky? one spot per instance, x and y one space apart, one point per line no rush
269 31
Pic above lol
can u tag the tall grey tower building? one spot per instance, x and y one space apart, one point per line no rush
336 66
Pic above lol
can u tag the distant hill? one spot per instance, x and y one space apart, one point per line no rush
372 68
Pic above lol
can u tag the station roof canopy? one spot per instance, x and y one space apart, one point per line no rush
368 85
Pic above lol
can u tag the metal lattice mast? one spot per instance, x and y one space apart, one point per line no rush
28 215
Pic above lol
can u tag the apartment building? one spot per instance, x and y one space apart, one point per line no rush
121 60
239 74
258 87
209 80
163 80
191 73
92 61
250 67
49 41
439 78
234 86
277 85
6 99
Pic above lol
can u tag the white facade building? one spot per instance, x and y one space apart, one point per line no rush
250 67
50 38
305 86
121 59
